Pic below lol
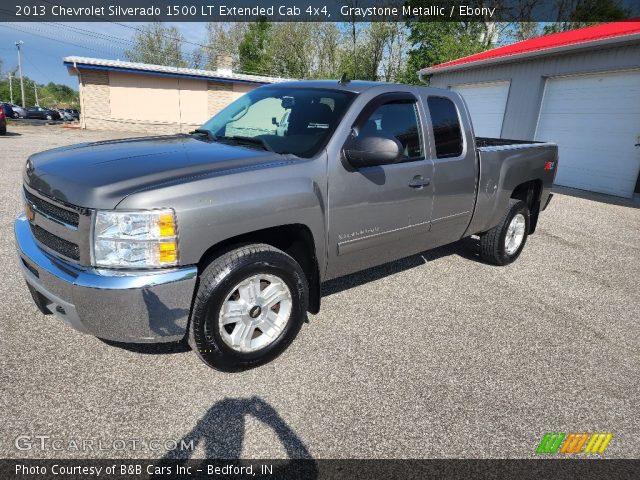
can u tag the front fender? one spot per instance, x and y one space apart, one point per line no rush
212 210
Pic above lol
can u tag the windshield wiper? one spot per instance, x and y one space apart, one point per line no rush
203 131
251 140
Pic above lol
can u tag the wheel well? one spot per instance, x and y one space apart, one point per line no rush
530 193
296 240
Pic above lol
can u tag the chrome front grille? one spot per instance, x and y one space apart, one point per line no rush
59 228
57 244
49 209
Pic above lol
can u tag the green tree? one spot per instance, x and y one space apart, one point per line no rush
49 95
253 50
583 13
223 38
304 49
373 51
438 42
158 44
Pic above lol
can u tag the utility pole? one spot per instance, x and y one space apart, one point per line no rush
18 45
11 86
35 89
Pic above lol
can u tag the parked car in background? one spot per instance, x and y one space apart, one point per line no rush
18 111
42 113
73 112
3 122
8 110
64 115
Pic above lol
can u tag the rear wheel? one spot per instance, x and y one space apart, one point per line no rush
250 305
503 243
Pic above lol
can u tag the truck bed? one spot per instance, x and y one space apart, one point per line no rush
483 142
504 164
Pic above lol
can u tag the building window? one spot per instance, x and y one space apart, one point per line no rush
446 127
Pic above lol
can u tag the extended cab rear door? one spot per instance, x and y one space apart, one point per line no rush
455 165
381 213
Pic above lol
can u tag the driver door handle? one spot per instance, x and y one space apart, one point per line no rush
419 181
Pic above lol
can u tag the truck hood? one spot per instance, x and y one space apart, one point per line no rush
101 174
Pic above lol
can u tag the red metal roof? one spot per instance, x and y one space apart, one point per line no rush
539 45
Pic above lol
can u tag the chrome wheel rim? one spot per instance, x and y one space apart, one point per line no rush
255 313
515 234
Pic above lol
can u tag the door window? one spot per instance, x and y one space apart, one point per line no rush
399 120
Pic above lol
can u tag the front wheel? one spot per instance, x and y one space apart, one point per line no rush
49 117
503 243
250 305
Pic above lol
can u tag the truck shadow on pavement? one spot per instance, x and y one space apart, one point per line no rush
468 248
221 434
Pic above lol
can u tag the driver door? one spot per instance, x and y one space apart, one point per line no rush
381 213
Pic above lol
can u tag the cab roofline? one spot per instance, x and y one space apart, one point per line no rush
355 86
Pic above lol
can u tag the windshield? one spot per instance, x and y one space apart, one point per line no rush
284 120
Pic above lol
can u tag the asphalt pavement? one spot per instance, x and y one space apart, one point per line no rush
438 355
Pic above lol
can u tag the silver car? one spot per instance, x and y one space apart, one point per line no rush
18 111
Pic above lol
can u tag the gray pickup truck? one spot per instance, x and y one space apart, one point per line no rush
222 237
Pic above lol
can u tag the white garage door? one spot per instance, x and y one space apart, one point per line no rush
486 103
595 119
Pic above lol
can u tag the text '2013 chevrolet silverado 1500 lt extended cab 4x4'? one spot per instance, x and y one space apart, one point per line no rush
223 236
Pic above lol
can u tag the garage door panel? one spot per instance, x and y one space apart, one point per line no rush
486 103
595 119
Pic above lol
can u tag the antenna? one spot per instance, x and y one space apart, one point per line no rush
343 79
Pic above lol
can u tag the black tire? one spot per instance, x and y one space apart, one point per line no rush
3 130
215 285
492 243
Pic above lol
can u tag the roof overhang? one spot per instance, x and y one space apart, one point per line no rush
519 56
73 64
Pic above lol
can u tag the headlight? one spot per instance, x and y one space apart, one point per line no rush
136 239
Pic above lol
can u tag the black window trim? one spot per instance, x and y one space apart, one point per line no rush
462 135
385 98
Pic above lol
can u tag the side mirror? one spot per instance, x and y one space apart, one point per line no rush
371 151
274 121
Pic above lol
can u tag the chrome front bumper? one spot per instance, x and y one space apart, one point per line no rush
134 307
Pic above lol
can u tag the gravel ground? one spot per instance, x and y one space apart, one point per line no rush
437 355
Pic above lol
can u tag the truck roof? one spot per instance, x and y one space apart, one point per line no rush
356 86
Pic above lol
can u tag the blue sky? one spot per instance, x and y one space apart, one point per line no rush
45 44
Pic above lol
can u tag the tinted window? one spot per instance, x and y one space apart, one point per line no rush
396 120
446 127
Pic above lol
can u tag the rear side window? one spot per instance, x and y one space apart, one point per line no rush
446 127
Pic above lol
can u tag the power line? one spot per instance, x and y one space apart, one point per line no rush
89 33
13 27
121 50
34 65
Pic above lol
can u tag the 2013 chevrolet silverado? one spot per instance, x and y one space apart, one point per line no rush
223 236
